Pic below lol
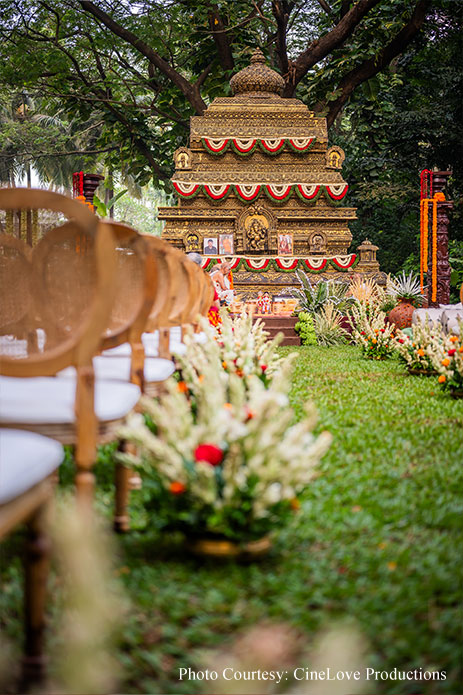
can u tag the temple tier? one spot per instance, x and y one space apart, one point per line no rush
258 183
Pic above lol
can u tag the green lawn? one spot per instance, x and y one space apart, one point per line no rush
378 538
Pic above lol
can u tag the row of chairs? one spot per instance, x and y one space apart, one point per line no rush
85 329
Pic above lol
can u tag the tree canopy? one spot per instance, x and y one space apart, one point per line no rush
144 67
114 83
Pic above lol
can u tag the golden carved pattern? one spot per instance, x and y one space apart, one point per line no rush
257 111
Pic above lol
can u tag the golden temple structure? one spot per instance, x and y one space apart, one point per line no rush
259 184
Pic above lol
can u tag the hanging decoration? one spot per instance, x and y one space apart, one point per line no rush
247 192
186 190
217 192
246 146
78 184
258 264
425 199
279 193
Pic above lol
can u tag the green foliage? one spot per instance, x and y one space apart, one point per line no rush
104 208
312 296
328 326
456 267
304 327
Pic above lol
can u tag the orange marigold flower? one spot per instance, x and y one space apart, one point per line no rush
177 488
446 362
182 387
453 338
295 504
249 413
376 330
441 379
420 352
201 378
239 372
460 349
374 341
224 365
228 406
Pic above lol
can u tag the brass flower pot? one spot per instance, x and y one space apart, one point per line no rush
422 372
401 315
221 547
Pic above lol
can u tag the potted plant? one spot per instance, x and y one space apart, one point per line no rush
229 470
406 291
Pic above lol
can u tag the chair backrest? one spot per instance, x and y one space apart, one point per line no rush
67 288
166 285
137 283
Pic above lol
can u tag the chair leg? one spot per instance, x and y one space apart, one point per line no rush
164 343
36 569
122 480
86 436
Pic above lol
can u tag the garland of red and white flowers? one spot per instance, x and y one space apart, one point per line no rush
308 193
285 265
246 146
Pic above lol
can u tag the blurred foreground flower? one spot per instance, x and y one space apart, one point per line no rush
278 647
93 607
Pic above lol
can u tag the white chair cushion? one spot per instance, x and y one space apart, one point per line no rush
49 400
178 348
200 338
452 326
26 459
117 368
431 315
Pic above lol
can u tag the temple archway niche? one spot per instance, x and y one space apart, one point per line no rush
256 226
317 243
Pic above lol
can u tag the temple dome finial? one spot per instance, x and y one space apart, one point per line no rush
257 77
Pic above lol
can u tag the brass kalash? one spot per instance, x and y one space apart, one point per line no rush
260 181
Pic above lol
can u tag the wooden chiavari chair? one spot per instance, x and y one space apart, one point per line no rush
28 460
69 287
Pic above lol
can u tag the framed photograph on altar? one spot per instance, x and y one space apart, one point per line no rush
226 245
285 244
210 246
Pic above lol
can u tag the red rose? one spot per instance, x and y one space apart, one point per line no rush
263 367
451 352
210 453
400 340
177 488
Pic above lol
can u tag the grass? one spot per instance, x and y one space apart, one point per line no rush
378 539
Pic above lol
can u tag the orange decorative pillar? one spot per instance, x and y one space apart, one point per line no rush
438 275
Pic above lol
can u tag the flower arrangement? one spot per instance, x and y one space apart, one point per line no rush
305 328
365 290
234 466
235 346
371 331
416 350
447 358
